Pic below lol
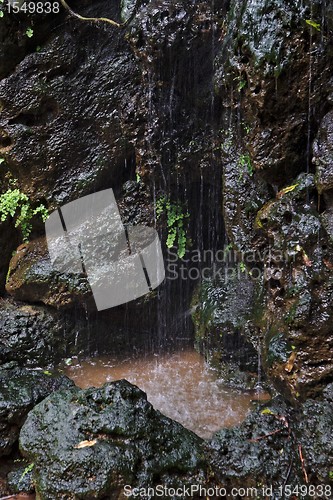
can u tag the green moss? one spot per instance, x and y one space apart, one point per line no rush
204 310
293 291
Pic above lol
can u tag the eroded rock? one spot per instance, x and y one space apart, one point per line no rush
20 390
32 335
223 308
65 128
32 279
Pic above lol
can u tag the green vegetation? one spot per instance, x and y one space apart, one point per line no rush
241 85
313 24
245 165
29 32
15 204
26 471
176 222
267 411
242 267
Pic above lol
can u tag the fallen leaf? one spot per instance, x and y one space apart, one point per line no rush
290 363
306 260
267 411
314 25
85 444
286 190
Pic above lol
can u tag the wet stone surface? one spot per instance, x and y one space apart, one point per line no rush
90 443
20 390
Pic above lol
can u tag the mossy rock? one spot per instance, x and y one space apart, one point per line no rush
90 443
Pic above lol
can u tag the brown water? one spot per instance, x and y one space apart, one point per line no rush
180 385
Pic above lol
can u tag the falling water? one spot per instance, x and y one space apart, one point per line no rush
76 338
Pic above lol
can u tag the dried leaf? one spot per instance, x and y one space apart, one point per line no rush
286 190
306 260
290 363
85 444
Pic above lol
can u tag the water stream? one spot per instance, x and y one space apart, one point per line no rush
180 385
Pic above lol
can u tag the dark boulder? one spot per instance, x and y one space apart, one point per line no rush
20 390
33 335
90 443
32 279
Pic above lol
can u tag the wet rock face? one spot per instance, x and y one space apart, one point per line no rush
272 215
269 444
20 391
244 193
266 65
174 42
90 443
298 290
40 336
224 333
68 116
32 279
64 129
323 154
32 335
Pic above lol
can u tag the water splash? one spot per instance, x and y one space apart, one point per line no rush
180 385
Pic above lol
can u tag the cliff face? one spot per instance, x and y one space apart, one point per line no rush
187 94
225 106
277 210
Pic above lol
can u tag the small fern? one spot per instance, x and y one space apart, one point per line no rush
15 204
176 221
